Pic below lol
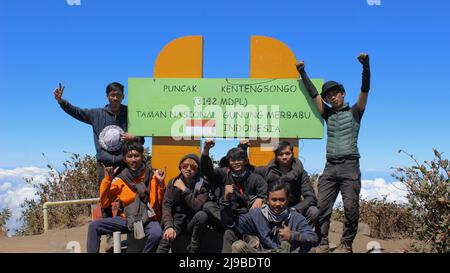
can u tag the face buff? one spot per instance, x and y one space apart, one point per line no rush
137 173
239 177
272 216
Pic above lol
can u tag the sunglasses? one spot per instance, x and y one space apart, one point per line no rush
187 165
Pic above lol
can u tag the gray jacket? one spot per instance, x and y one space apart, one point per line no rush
99 118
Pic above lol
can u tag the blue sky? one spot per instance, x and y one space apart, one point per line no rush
85 47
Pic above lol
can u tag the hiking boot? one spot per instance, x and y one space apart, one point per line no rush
285 247
239 246
323 248
242 247
344 248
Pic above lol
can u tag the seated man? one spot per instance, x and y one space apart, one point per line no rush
278 228
140 191
249 188
287 168
182 206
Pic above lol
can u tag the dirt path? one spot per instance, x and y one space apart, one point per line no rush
56 241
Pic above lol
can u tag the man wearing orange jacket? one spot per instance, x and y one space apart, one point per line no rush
140 191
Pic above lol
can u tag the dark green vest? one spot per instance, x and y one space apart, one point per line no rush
342 133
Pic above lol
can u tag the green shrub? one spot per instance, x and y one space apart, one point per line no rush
5 214
386 219
78 180
428 188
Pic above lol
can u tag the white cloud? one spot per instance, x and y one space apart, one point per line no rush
13 198
14 190
4 186
377 188
17 174
19 171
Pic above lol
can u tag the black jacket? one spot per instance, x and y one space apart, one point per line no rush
183 205
253 185
298 179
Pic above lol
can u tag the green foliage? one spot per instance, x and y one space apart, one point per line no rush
428 190
5 214
147 156
386 219
78 180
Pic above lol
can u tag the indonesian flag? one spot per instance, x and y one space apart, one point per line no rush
200 127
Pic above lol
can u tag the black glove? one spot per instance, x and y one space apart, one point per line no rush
300 66
306 81
365 84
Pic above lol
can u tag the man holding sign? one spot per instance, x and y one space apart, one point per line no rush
342 172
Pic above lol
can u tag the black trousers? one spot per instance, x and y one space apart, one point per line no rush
311 214
230 237
212 209
196 225
339 176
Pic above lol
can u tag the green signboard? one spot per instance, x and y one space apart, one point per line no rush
222 108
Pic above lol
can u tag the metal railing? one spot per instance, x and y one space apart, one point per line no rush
61 203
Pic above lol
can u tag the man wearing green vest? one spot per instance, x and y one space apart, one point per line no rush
341 171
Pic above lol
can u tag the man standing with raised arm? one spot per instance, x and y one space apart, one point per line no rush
109 126
342 172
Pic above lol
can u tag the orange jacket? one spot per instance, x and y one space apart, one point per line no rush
117 189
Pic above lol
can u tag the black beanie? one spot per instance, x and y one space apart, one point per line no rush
191 156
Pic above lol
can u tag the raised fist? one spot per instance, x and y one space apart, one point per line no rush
363 58
244 143
209 143
300 65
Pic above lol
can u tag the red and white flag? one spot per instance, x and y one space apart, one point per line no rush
200 127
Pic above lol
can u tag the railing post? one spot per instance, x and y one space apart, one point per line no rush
117 244
45 212
60 203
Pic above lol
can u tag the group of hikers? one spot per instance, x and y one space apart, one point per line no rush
270 208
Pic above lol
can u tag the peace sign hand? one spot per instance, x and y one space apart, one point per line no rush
58 93
110 171
160 175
